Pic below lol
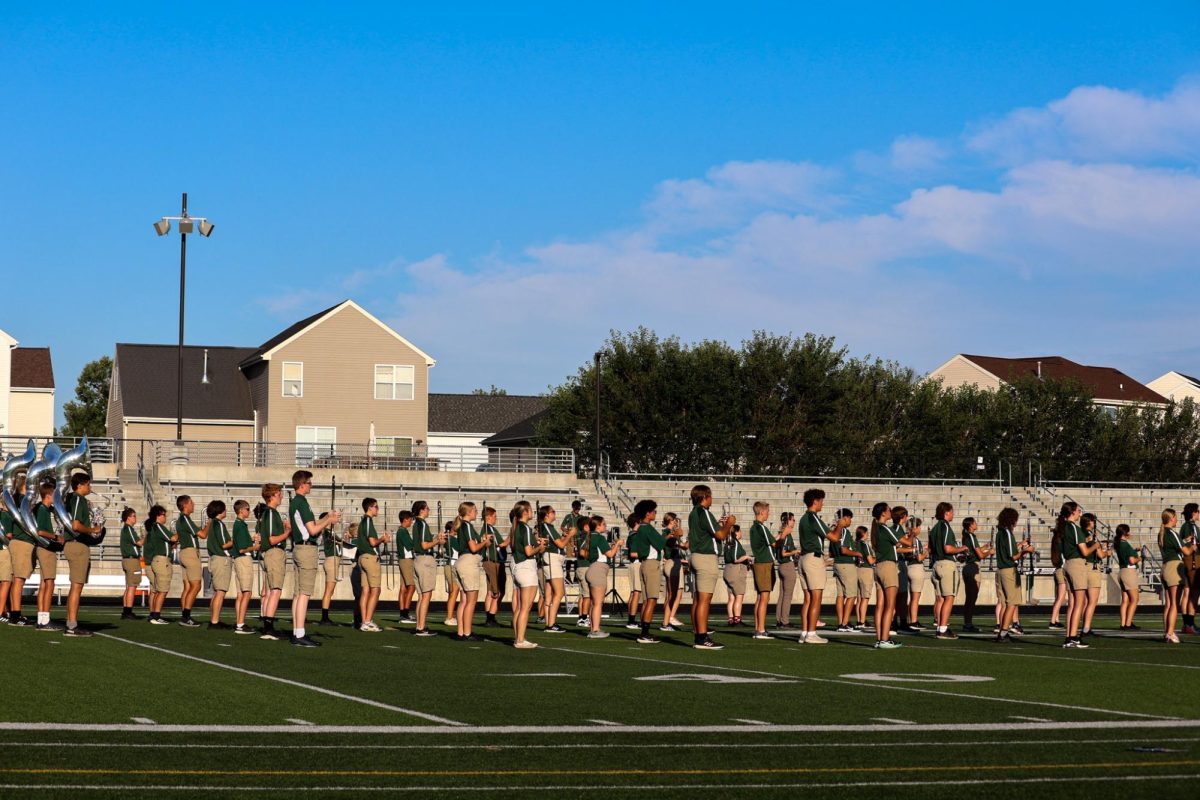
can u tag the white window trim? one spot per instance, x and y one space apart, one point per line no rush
283 381
392 439
395 383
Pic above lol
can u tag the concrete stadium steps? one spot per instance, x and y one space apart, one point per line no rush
1141 509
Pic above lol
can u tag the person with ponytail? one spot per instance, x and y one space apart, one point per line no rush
1191 569
1075 550
885 541
1095 576
915 571
1009 551
650 546
599 559
554 567
1173 548
471 544
131 560
157 553
673 566
1127 575
526 547
975 554
1061 595
866 574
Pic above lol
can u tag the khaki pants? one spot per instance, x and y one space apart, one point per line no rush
787 587
275 564
368 567
160 574
704 569
132 567
243 568
1007 588
189 563
79 561
812 572
866 582
426 569
220 569
847 580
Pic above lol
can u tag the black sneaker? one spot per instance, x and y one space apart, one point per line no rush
188 622
50 626
326 621
1133 627
708 644
470 637
946 634
1080 643
77 631
1056 626
20 622
489 623
303 641
554 629
269 635
970 629
243 630
425 632
218 626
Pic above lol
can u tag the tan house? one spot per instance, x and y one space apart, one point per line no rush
1110 387
1177 386
339 377
26 390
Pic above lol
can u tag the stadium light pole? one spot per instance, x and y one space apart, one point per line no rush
186 225
599 355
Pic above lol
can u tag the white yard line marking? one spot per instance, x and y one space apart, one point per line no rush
1082 660
894 721
458 729
287 681
295 721
605 722
749 721
619 788
1029 719
890 688
143 720
529 675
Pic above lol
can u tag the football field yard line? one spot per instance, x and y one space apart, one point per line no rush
1081 661
287 681
890 687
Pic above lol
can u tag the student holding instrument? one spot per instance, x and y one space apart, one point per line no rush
1173 548
245 545
814 536
599 559
555 566
673 566
635 572
737 564
944 550
764 548
220 561
493 567
157 552
1075 550
425 543
1095 576
367 554
650 547
131 560
189 558
1127 561
975 554
471 544
786 553
866 573
526 547
885 540
704 535
583 529
273 531
1009 551
845 555
1191 568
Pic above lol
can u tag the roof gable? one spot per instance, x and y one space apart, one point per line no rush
148 377
1106 383
32 368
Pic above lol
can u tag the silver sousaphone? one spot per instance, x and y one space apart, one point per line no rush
65 464
39 472
14 467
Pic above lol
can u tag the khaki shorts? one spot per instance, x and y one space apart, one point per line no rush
1077 574
1095 578
846 576
243 569
407 575
704 571
448 574
333 569
916 578
426 569
220 569
189 563
585 588
79 561
492 570
275 564
1172 575
467 572
132 567
735 579
598 577
368 567
305 558
5 565
764 577
652 579
160 574
812 572
887 574
47 563
21 555
525 574
866 582
1007 588
1130 581
555 567
1059 576
944 574
635 576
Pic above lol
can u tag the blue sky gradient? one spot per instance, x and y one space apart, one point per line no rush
504 185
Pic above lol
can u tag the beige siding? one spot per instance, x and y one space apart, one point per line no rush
165 432
116 411
30 414
1174 387
339 356
960 372
259 377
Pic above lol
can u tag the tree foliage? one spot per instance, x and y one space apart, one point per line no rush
781 405
86 414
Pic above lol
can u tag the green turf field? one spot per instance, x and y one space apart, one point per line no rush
141 709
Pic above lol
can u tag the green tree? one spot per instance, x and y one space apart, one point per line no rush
85 415
492 391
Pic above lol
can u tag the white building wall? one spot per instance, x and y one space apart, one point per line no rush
463 449
7 343
31 413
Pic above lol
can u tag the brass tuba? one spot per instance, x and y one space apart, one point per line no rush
14 467
77 457
37 472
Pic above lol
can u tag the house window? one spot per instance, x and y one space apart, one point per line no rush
293 379
393 382
393 446
314 444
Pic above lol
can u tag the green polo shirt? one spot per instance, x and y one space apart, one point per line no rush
491 553
186 530
466 533
1125 553
6 528
650 543
421 533
17 531
598 548
971 542
702 531
941 537
218 537
1006 548
300 513
1172 546
551 533
270 524
762 544
570 521
242 542
631 544
404 543
129 542
866 551
1072 537
158 542
1094 558
733 550
846 541
918 551
812 532
45 521
885 542
672 550
522 537
366 532
80 512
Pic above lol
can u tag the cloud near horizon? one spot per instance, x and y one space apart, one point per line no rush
1077 222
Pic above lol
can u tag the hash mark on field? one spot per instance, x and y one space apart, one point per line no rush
295 721
287 681
604 722
143 720
749 721
894 721
1029 719
529 675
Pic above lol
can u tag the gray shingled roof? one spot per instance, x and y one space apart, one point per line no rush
284 335
480 413
148 377
31 368
520 434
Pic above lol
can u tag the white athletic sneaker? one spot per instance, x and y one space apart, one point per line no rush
370 627
598 635
524 644
814 638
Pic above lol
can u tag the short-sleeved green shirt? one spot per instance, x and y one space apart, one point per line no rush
971 542
1126 553
329 543
301 514
1072 537
7 523
421 534
762 544
404 543
1172 546
733 549
846 540
598 548
550 533
129 542
186 529
650 543
941 536
866 551
1006 548
218 537
702 531
812 530
270 524
158 542
886 540
366 532
45 521
466 533
18 532
580 538
1094 558
491 552
242 543
522 537
631 544
80 512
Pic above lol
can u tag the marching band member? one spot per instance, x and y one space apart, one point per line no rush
763 547
245 545
885 541
866 574
1061 594
598 559
6 565
583 530
673 566
273 531
189 558
944 549
493 566
635 572
471 544
814 535
650 546
1173 549
405 551
915 570
367 555
845 555
1127 561
220 561
1075 549
425 542
555 565
972 558
1009 551
47 559
737 562
704 535
156 550
131 560
305 530
450 548
903 551
331 565
1190 527
1095 576
526 547
785 567
78 555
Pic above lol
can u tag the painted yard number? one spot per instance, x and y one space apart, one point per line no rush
688 676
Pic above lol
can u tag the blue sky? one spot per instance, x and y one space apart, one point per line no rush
506 184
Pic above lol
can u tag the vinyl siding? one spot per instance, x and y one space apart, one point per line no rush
30 414
165 432
960 372
1175 388
339 356
116 403
259 377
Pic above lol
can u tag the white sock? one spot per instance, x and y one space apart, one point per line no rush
803 635
298 633
43 618
942 628
72 624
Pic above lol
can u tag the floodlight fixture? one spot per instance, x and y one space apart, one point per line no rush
162 227
206 227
